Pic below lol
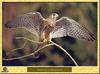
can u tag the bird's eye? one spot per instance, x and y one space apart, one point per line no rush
54 14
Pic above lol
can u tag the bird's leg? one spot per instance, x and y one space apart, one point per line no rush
46 41
46 37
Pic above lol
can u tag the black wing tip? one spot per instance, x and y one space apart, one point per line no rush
7 25
92 37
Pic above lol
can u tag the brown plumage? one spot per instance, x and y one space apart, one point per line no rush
51 27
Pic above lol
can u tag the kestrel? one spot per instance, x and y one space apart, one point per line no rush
50 27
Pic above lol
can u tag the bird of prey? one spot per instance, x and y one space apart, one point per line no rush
50 27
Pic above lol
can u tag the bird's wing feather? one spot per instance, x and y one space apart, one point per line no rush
61 32
32 20
66 26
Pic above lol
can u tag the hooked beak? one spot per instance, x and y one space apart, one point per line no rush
54 16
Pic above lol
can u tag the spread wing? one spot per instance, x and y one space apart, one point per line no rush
32 21
66 26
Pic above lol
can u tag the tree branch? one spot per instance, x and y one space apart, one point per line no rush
52 43
29 54
65 52
29 40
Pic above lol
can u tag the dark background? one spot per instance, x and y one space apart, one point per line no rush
84 52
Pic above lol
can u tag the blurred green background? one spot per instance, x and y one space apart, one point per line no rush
84 52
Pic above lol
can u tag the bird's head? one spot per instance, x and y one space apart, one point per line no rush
54 16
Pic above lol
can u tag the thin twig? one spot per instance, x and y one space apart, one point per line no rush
29 40
17 48
65 52
24 43
29 54
52 43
